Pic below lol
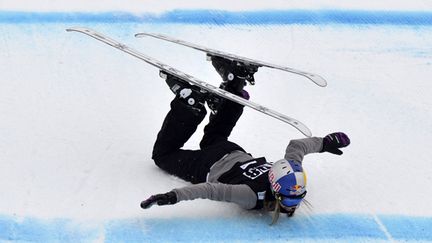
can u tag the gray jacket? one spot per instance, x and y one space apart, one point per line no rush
241 194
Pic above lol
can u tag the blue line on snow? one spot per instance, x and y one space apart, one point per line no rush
220 17
250 228
37 230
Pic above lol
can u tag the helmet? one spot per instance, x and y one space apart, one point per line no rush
288 182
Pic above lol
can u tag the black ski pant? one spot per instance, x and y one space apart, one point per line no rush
179 125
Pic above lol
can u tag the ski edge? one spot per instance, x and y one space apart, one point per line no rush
317 79
202 84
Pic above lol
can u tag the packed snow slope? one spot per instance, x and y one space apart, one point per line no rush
79 118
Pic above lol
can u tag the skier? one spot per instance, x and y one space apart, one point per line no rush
222 170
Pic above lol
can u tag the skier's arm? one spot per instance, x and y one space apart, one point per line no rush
331 143
298 148
239 194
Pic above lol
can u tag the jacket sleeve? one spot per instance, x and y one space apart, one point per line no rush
239 194
298 148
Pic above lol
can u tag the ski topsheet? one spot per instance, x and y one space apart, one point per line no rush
194 81
313 77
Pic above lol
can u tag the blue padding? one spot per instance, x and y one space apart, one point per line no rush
221 17
408 227
249 227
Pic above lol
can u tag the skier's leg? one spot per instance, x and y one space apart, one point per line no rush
187 112
225 118
221 124
194 165
179 125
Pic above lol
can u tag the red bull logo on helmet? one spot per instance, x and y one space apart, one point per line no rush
297 189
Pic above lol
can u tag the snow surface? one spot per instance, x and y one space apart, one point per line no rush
79 118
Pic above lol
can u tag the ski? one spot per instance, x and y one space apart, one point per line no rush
192 80
247 61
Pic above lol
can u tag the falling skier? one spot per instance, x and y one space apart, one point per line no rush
222 170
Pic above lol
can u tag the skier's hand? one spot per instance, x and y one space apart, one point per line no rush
160 199
334 141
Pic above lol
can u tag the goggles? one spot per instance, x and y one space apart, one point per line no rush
290 201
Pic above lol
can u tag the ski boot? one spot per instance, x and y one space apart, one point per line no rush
234 73
235 76
191 95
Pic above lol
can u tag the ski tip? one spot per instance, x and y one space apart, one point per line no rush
298 125
305 130
78 29
318 80
142 34
301 127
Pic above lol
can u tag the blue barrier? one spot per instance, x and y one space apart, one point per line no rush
220 17
344 227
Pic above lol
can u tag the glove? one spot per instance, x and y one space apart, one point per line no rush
334 141
160 199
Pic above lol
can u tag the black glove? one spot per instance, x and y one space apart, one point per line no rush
160 199
334 141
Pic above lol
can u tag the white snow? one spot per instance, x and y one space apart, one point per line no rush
79 118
